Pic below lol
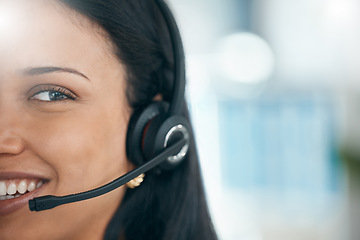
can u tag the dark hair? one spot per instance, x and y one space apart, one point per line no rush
170 205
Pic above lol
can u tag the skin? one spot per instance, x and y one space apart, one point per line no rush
77 144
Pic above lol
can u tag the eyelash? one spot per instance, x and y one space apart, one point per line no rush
69 95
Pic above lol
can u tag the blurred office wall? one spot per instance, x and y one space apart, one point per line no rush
274 93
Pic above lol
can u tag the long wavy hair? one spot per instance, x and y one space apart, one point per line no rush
170 205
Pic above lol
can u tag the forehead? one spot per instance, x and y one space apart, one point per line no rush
44 31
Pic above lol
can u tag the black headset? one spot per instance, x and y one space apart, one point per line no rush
158 135
154 127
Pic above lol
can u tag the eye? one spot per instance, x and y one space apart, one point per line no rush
51 93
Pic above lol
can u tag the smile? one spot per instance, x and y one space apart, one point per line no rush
15 188
16 191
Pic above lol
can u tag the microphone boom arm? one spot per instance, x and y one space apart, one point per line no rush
50 201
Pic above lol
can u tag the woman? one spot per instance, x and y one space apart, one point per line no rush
72 73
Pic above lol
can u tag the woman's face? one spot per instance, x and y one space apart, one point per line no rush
63 120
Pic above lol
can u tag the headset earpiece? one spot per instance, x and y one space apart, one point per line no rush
151 130
162 132
135 134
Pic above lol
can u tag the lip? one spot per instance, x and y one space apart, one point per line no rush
11 205
19 175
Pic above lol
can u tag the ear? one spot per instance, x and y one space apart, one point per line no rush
158 97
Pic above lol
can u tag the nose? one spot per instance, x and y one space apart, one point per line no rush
10 138
10 143
11 119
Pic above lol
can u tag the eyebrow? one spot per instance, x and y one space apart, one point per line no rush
43 70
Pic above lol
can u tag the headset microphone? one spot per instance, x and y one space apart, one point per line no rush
48 202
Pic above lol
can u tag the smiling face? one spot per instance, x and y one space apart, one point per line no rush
63 120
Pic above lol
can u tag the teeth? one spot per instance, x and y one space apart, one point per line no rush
11 188
39 184
15 188
31 186
6 197
2 189
22 187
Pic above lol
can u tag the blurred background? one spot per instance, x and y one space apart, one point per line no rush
274 92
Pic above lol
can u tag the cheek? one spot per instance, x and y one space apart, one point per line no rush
86 148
